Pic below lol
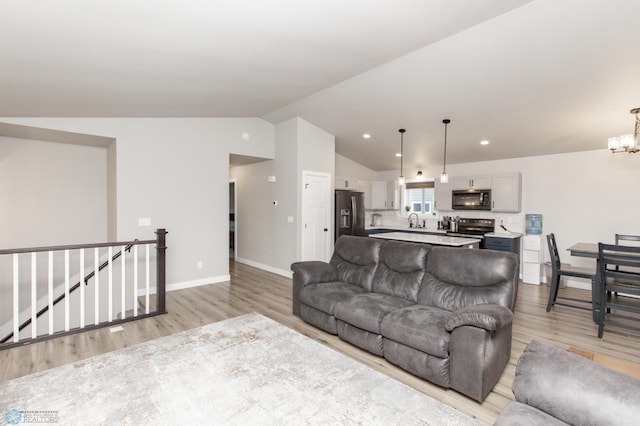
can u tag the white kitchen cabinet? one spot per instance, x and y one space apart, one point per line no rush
393 195
442 196
365 187
385 195
343 182
379 195
506 193
472 182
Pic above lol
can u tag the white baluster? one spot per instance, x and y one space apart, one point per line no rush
147 284
96 276
16 305
50 292
123 305
34 300
110 284
81 288
66 291
135 281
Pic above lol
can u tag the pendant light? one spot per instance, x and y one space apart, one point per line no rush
401 178
444 178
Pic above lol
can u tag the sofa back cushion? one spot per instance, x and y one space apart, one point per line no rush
401 269
356 259
458 277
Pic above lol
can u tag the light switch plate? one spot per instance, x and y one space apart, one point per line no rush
144 221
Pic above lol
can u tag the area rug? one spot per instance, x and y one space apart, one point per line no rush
242 371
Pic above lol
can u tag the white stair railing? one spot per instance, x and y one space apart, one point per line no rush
90 303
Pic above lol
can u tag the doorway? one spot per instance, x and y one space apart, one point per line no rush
316 216
232 219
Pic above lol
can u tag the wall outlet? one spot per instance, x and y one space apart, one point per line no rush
144 221
290 219
199 264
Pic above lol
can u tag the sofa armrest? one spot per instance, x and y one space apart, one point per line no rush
309 272
314 271
489 317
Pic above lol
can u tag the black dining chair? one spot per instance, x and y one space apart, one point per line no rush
627 240
619 275
558 270
621 238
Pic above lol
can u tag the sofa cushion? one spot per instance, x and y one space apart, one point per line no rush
366 311
356 259
324 296
457 278
518 414
420 327
400 269
574 389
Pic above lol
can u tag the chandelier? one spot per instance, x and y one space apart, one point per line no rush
627 143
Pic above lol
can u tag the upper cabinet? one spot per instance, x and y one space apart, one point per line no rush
442 196
349 183
471 182
365 186
384 195
506 193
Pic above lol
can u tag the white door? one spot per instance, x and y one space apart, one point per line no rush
316 216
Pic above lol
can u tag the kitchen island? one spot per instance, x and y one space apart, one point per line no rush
436 240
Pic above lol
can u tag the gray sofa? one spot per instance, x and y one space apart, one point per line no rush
556 387
443 314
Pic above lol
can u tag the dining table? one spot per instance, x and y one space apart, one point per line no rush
584 250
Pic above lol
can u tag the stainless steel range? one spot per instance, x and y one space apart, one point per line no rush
475 228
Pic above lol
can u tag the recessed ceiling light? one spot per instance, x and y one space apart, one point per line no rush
484 142
366 136
398 154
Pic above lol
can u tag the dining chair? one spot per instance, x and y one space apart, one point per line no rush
619 275
621 238
627 240
558 270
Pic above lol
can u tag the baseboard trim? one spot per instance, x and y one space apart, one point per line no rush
189 284
277 271
197 283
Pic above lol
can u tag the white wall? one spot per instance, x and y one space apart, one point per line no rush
349 168
265 238
51 193
175 171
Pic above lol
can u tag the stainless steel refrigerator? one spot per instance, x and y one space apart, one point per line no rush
349 213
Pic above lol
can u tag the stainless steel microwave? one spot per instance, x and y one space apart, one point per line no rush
471 199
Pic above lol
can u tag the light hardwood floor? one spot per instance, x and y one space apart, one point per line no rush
254 290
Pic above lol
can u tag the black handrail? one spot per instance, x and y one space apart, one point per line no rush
71 290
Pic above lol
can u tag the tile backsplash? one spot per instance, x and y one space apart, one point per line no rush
514 222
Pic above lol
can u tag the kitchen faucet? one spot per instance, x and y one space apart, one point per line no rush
417 220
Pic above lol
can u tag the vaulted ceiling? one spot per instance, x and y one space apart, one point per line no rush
532 77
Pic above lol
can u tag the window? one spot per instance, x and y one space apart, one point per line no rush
419 197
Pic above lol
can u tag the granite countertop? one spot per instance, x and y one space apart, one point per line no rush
440 240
